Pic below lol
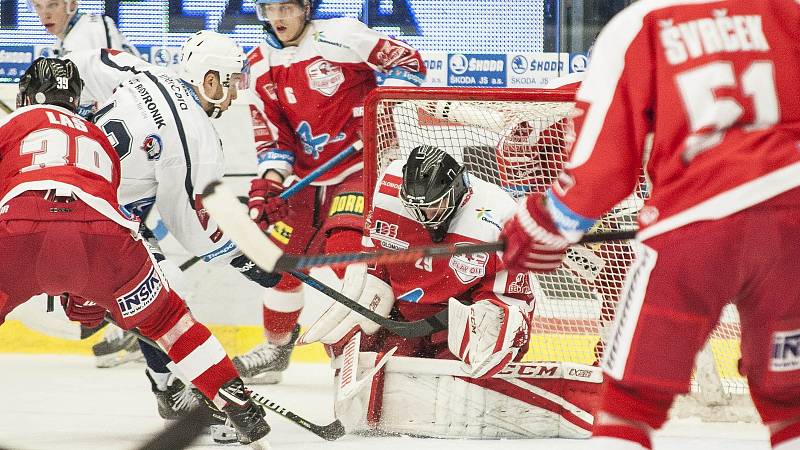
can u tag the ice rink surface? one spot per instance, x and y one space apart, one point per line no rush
63 402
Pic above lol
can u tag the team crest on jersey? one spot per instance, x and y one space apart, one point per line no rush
469 268
141 296
324 77
386 234
152 146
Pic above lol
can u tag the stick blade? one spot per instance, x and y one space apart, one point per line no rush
223 205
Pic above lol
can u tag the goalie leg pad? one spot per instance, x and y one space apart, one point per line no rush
425 397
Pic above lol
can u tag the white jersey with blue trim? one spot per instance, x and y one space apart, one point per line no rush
102 71
89 32
169 152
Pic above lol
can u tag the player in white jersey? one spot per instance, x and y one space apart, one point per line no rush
432 198
169 150
76 30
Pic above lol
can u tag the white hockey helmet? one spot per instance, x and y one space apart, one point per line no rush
72 5
208 50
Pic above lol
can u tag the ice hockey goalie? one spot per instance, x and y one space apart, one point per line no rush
467 381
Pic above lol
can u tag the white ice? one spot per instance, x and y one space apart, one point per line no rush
63 402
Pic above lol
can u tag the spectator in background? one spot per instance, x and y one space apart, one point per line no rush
78 31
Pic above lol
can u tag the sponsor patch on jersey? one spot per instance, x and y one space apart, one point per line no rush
152 146
347 203
386 233
785 351
412 296
324 77
390 185
281 232
485 215
469 268
141 296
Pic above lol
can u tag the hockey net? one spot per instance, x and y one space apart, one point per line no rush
515 138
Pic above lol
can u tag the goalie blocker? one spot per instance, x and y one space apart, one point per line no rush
432 398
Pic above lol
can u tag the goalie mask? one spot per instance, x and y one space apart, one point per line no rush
267 10
434 184
50 81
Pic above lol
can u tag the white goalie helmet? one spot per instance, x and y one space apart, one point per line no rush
207 51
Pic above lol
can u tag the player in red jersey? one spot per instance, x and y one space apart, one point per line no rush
310 82
459 375
714 82
62 226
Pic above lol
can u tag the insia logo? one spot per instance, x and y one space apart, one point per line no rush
141 296
785 351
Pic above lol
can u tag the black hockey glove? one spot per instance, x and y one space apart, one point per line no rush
254 273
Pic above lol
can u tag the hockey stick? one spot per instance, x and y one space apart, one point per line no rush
329 432
295 188
417 328
223 206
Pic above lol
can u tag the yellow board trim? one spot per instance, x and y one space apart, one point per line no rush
237 339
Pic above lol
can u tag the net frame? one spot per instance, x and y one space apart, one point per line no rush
569 315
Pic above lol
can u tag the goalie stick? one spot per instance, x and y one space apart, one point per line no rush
224 207
329 432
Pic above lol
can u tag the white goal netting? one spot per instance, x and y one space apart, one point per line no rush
517 139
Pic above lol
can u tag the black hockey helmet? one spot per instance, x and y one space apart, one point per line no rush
434 184
50 81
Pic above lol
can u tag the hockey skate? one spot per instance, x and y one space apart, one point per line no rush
265 364
117 347
244 414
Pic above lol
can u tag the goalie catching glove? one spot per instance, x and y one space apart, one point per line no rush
339 321
533 241
264 204
486 335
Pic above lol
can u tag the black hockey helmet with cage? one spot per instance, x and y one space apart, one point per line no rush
434 184
50 81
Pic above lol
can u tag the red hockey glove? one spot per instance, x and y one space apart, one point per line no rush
532 240
86 312
264 204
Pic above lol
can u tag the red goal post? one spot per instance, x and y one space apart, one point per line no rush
519 140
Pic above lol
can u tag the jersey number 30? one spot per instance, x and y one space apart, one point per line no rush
50 147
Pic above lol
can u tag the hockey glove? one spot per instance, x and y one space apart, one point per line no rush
264 204
532 240
252 272
486 335
338 321
87 312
